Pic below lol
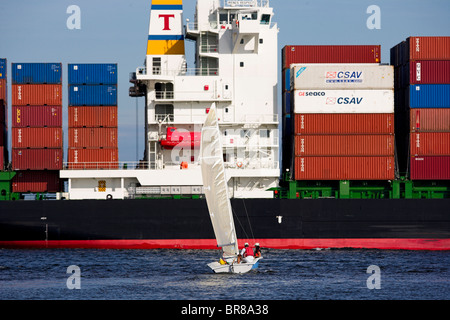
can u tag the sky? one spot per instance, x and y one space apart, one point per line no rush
115 31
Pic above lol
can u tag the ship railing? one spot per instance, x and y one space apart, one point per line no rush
249 163
259 118
195 27
212 48
246 3
110 165
209 95
142 71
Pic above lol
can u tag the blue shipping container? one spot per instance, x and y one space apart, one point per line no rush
93 95
287 80
3 68
36 73
93 73
429 96
287 102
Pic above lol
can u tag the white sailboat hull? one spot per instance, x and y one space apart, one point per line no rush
242 267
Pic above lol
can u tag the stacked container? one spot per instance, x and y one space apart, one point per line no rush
342 107
37 135
3 115
93 124
422 83
314 54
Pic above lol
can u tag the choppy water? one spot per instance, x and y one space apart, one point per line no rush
183 275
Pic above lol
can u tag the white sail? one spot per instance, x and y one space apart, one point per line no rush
215 185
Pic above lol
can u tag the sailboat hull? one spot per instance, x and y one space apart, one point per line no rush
234 267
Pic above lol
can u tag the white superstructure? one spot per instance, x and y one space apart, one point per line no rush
235 68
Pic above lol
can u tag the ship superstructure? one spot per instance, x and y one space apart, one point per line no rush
235 68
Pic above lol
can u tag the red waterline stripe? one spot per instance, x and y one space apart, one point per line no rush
208 244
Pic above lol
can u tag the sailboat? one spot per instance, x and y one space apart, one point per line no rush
218 200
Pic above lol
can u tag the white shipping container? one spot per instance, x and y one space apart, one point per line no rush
344 101
341 76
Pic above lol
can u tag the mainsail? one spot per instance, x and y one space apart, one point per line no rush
215 185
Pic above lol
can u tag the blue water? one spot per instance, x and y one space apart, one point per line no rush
183 275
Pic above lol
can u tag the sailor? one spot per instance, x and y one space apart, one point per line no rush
257 250
247 254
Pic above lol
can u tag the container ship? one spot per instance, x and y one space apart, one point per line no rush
357 157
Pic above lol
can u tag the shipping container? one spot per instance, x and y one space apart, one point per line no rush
287 102
430 120
92 73
331 54
3 136
3 112
341 76
36 73
3 90
37 159
37 137
3 68
430 168
420 48
430 143
341 123
287 126
344 145
286 79
429 96
93 158
37 181
92 95
36 94
426 72
2 158
344 168
93 137
36 116
343 101
91 116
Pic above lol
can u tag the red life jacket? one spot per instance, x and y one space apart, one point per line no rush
248 252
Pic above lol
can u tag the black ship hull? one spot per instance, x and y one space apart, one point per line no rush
185 224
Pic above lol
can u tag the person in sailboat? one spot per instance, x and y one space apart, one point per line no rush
257 250
247 254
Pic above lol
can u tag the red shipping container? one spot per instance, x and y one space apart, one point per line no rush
36 181
344 168
93 158
36 116
428 72
430 120
80 117
331 54
344 145
37 159
427 48
3 90
36 94
430 168
430 143
37 137
93 137
344 123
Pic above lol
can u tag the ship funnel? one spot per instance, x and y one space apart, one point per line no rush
165 36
